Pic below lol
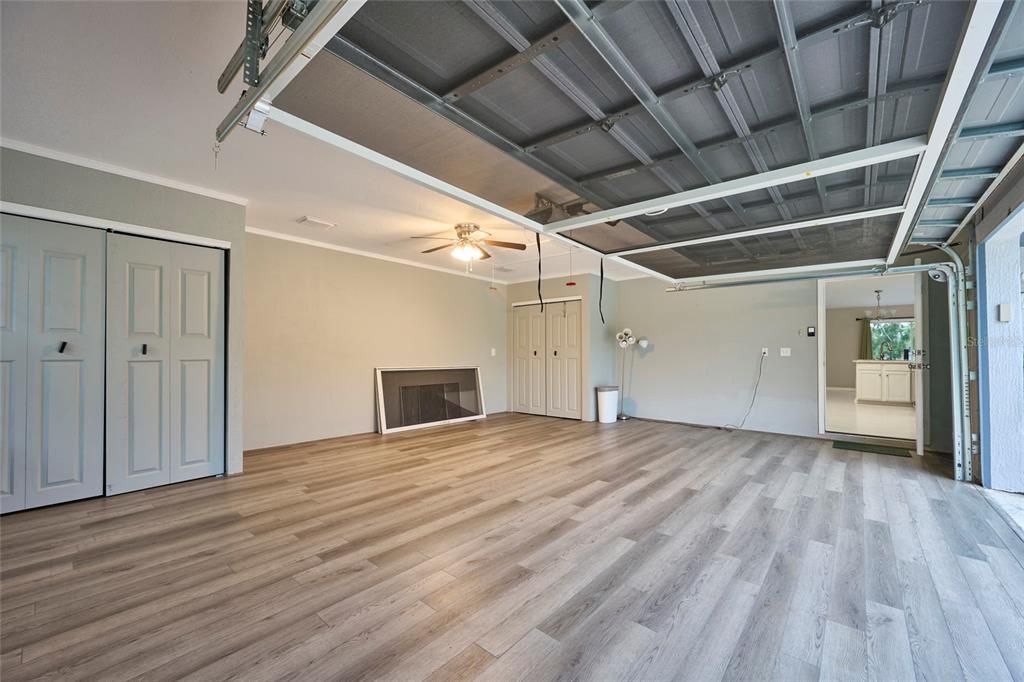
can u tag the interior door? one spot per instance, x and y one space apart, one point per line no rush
165 368
529 381
52 372
563 326
13 358
138 355
521 359
537 400
64 441
196 362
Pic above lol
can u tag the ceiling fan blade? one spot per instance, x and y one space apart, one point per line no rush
505 245
483 251
438 248
445 238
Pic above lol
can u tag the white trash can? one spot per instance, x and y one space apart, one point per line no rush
607 404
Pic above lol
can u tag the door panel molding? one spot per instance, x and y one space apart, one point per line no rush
138 414
53 358
197 363
563 322
13 359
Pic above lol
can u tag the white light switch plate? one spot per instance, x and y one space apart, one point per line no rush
494 352
785 352
1004 312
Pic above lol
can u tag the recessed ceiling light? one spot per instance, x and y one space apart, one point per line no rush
319 222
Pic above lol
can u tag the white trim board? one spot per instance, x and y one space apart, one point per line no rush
365 254
103 224
760 276
760 231
552 275
869 156
271 234
53 154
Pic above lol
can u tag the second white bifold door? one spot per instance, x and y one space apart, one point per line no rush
547 359
165 363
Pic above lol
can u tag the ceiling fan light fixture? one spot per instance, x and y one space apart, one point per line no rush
467 251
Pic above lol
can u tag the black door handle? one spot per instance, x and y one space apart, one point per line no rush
62 347
556 353
145 347
534 352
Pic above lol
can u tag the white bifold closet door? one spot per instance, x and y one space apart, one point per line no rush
165 363
529 391
546 360
563 359
51 367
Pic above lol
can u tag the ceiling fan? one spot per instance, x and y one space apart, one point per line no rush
468 241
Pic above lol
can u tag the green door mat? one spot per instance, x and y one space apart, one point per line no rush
865 447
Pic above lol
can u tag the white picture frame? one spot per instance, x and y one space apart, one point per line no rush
382 426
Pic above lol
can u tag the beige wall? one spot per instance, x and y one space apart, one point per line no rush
319 321
597 364
36 181
842 343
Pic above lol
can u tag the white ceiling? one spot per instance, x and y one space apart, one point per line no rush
860 292
133 84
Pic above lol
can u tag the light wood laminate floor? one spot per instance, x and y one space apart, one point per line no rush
524 548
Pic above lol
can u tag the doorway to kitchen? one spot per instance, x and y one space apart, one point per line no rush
873 344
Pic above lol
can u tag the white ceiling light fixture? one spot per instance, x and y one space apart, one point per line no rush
656 212
467 251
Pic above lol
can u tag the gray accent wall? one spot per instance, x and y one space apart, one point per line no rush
319 321
46 183
705 346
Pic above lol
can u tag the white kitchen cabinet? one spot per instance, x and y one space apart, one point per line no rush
897 384
869 381
886 381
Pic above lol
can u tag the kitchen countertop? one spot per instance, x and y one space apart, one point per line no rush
885 362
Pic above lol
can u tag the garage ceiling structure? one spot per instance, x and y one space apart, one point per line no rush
690 140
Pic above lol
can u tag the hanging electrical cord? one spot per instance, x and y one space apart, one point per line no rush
753 396
540 296
600 293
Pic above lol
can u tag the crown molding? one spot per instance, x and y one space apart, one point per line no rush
74 160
